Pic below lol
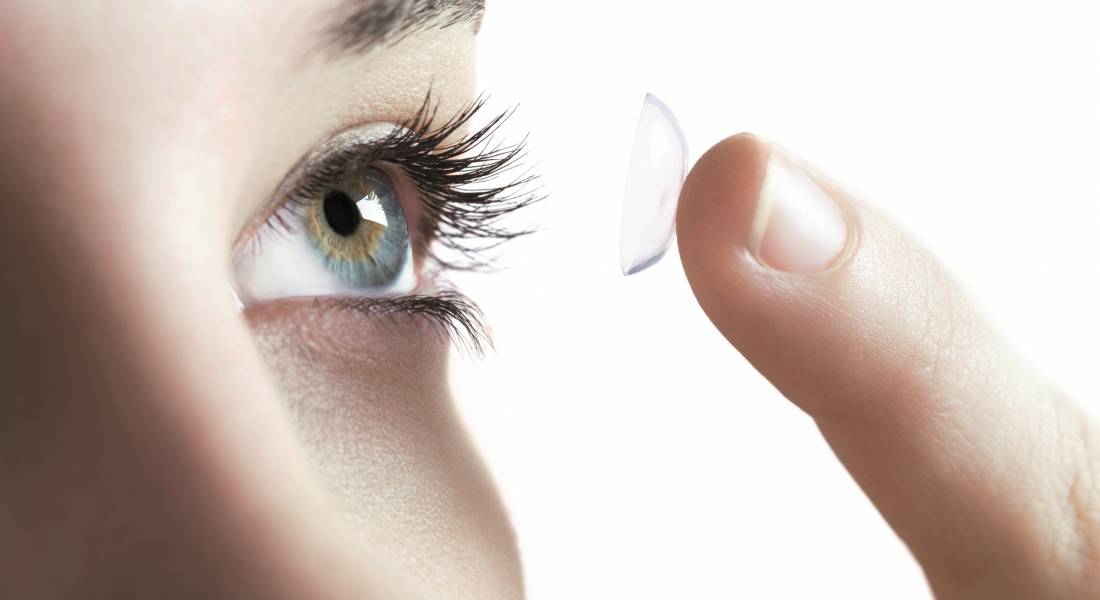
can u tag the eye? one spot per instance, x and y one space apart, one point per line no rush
375 217
347 238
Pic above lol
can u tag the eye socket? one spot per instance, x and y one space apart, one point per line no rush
349 238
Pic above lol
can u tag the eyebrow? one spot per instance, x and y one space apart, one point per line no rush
359 25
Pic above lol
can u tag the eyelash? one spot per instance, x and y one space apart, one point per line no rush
463 206
453 314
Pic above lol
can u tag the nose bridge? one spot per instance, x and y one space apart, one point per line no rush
142 446
121 171
138 203
137 148
111 234
88 426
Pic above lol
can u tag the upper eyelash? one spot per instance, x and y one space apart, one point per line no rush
463 207
466 214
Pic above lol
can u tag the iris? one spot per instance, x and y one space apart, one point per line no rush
358 228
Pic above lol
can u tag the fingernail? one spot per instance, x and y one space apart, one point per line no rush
798 228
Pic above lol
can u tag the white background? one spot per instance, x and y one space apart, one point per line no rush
640 455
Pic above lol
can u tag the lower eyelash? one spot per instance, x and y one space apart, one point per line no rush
450 311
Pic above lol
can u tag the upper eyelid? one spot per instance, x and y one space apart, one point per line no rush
347 148
363 143
451 170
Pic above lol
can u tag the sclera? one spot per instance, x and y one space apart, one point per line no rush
658 167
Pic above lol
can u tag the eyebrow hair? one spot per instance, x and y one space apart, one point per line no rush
360 25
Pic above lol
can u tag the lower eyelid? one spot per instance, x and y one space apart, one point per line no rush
332 333
448 318
449 313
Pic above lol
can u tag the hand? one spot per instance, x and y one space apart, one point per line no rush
984 469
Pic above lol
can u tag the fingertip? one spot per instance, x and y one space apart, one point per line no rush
715 217
719 196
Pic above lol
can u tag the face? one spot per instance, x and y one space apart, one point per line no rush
162 162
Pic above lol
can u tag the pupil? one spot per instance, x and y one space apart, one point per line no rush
341 213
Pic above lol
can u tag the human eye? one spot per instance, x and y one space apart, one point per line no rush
374 217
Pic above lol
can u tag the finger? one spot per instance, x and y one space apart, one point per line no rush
982 468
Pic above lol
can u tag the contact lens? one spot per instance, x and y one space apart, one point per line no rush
658 166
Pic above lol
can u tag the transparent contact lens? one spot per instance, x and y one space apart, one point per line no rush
658 166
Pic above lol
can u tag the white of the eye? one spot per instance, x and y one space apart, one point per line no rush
287 265
371 210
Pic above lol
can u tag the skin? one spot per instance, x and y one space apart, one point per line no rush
153 443
156 443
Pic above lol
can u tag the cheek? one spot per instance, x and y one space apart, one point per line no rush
371 406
